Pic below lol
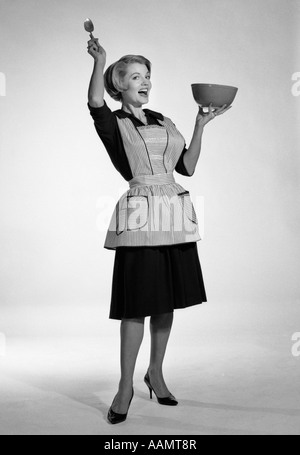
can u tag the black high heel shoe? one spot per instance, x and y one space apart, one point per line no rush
114 418
168 401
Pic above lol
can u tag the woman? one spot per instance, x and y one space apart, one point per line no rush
154 228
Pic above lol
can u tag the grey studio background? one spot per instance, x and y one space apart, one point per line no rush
234 362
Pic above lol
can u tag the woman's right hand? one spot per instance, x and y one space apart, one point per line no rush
97 51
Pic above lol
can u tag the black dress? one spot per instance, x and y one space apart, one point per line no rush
148 280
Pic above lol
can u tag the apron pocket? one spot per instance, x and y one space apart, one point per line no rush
137 212
188 206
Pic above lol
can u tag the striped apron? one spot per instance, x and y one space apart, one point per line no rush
155 210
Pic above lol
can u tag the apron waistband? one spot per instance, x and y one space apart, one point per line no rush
156 179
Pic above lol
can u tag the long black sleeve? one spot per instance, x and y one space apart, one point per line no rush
107 128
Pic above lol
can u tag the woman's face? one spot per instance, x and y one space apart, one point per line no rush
137 81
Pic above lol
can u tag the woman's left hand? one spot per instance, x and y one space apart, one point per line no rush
204 117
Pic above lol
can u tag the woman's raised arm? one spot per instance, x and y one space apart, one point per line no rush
96 87
192 154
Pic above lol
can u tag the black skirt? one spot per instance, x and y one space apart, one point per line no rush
154 280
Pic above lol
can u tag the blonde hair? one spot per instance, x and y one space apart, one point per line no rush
115 73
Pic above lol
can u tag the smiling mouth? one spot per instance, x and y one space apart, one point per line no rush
143 92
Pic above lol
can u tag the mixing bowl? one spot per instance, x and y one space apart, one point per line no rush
218 95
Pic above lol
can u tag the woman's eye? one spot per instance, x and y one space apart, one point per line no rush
137 77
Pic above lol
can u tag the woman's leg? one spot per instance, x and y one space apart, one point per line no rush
160 329
132 333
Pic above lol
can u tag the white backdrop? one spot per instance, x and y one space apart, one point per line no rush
54 170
